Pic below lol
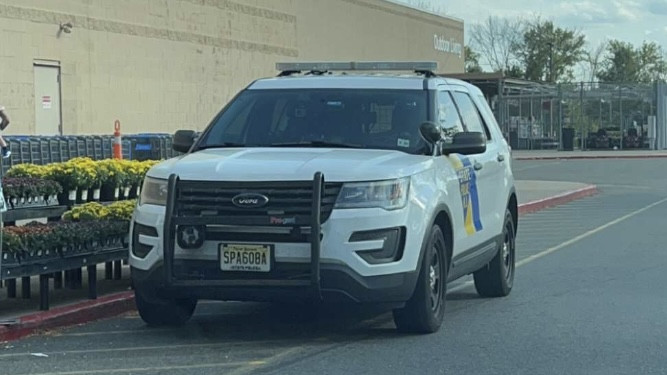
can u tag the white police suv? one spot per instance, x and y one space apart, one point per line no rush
371 182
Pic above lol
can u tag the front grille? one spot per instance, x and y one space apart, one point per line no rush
286 199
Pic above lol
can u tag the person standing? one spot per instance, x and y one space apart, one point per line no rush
4 122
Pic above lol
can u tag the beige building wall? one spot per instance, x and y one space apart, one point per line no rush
162 65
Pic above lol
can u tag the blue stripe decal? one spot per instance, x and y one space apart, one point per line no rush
473 195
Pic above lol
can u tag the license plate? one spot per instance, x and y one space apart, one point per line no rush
245 258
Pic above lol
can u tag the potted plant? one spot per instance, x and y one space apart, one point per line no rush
102 176
87 176
34 242
28 170
101 227
69 177
39 241
11 247
51 189
29 192
13 191
115 177
131 172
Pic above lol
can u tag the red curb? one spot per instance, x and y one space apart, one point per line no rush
63 316
119 303
566 197
583 157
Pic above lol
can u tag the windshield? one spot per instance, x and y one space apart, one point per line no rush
359 118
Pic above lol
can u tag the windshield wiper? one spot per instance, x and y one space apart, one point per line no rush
221 145
315 144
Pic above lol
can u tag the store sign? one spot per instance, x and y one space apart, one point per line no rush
442 44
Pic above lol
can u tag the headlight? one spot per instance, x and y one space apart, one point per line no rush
390 195
154 191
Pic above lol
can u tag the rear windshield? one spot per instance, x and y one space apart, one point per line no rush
358 118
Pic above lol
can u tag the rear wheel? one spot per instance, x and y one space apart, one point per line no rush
424 311
497 278
164 312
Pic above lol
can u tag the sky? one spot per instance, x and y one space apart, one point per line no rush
632 21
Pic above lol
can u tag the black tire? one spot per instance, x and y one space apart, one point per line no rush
497 278
424 311
163 312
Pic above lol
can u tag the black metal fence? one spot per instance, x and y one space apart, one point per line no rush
584 115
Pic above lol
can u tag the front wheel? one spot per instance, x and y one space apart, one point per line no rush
164 312
424 311
497 278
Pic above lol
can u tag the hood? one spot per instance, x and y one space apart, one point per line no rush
291 164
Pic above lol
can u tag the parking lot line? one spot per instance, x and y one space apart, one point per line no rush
252 366
147 369
144 348
118 332
570 241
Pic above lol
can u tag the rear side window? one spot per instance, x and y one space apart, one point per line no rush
471 117
487 113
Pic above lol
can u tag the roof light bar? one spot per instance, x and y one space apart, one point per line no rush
430 66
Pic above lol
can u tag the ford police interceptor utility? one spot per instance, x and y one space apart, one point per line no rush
371 182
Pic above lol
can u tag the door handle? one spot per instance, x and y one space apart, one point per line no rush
501 158
477 166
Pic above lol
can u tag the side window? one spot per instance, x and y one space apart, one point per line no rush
471 118
448 115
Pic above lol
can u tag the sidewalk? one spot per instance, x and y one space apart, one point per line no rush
21 317
593 154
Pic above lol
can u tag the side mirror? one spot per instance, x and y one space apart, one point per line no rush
431 132
183 140
466 143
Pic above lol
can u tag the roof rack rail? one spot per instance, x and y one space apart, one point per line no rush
426 68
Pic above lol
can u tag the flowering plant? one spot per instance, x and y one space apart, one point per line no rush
28 170
24 187
121 210
115 174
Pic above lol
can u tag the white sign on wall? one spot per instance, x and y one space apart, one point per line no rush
442 44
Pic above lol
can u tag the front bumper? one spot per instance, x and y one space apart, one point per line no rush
337 283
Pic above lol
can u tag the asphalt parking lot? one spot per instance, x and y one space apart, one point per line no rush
588 298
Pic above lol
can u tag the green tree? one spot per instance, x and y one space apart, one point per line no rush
625 63
515 71
621 63
471 61
652 62
549 53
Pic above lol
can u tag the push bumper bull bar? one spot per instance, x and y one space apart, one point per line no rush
173 219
